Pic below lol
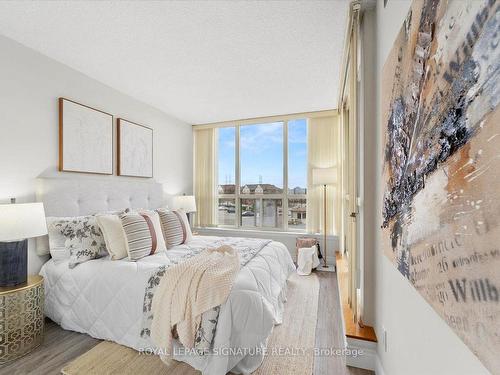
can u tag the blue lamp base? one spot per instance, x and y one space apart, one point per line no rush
13 263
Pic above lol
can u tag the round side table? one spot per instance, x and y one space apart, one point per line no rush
21 318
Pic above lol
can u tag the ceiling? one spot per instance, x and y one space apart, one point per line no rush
199 61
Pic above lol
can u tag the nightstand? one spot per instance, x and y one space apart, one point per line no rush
21 318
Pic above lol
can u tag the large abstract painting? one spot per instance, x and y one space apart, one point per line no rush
441 173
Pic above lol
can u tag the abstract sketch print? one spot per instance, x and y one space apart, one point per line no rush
441 170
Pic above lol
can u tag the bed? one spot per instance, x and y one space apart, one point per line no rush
106 298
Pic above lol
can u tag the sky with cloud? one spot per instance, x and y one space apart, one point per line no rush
261 150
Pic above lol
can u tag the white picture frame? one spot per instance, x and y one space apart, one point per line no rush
85 139
135 149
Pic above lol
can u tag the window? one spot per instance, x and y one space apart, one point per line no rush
297 174
227 211
261 149
262 175
250 212
226 151
272 213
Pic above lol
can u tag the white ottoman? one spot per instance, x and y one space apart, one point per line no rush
307 259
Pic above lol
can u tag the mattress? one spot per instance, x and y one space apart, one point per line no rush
104 299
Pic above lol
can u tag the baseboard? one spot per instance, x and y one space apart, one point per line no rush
379 369
364 354
369 360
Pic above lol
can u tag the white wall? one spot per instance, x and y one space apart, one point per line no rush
30 84
419 341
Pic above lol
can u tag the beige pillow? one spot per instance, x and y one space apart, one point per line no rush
155 220
185 222
114 235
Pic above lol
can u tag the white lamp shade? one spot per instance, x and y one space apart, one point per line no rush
324 176
20 221
185 202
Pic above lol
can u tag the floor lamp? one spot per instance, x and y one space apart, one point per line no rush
324 176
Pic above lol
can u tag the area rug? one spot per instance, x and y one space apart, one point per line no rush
290 347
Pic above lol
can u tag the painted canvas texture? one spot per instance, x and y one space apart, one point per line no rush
136 150
441 165
87 139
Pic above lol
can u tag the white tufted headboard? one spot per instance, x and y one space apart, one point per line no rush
87 196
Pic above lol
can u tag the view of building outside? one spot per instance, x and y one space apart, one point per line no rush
227 211
226 152
261 194
297 174
250 213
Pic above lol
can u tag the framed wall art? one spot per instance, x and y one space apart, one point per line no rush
85 138
135 149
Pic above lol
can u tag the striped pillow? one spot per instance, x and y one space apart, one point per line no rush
175 226
141 235
155 219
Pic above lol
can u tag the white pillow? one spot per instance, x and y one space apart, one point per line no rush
57 241
155 220
114 235
83 238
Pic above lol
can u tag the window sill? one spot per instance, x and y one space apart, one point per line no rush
286 238
210 230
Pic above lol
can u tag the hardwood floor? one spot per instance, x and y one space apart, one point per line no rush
60 346
352 329
329 329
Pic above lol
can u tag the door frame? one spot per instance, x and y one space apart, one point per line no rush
350 103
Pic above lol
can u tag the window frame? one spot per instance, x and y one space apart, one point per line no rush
238 196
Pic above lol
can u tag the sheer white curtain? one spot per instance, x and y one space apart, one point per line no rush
323 146
205 176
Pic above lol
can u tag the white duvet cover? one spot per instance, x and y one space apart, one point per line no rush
104 299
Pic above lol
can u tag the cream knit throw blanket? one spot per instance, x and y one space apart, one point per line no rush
188 290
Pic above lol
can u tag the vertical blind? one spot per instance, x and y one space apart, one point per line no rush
205 185
323 144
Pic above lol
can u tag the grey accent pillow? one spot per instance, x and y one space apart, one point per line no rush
84 239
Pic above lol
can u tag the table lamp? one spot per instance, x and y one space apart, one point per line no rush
186 203
18 222
324 176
